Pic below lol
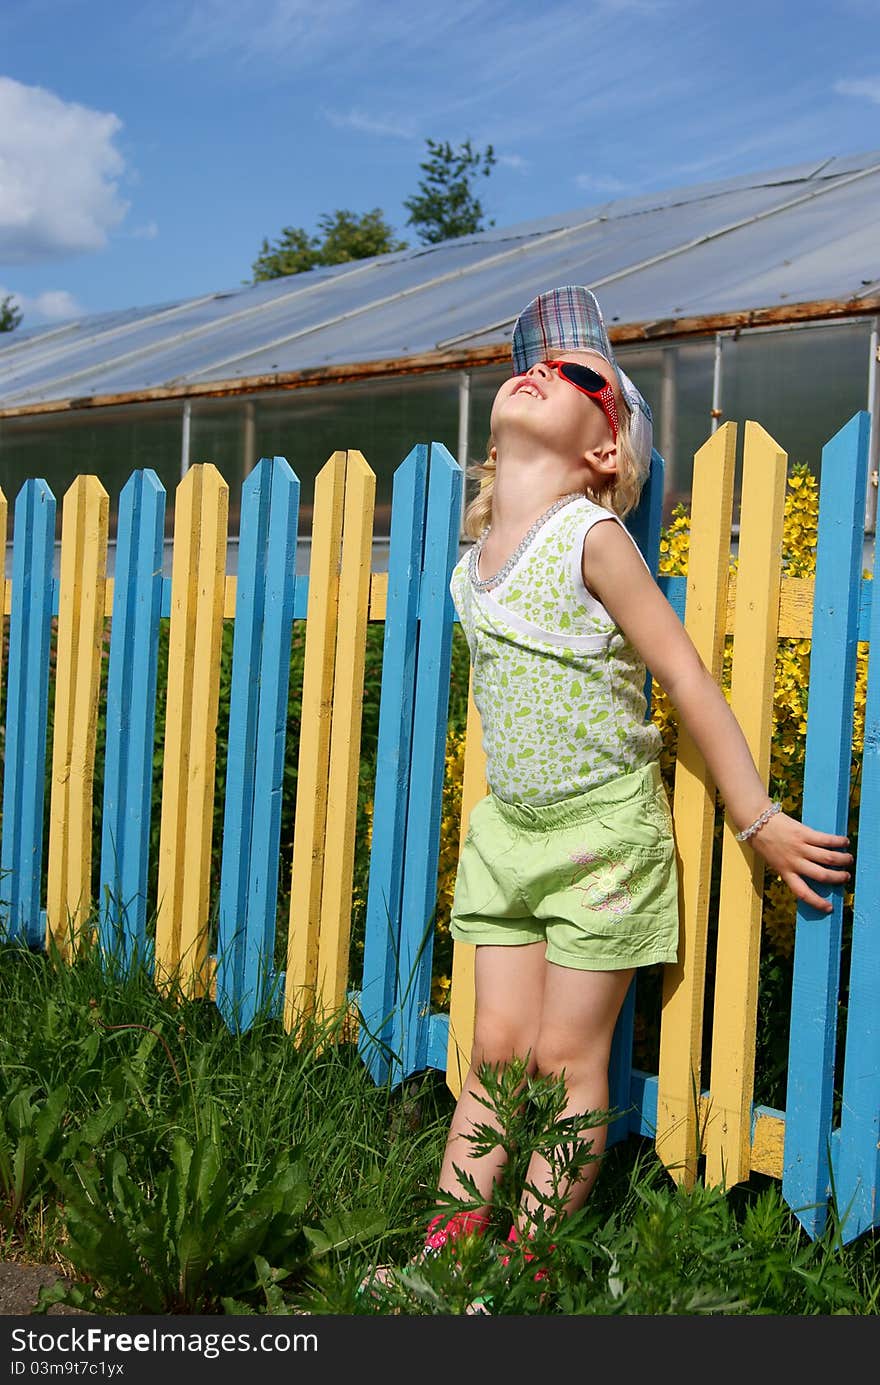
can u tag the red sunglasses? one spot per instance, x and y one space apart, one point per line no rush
590 383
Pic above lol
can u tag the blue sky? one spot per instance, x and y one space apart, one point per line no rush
147 149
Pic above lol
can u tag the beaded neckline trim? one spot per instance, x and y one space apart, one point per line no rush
483 584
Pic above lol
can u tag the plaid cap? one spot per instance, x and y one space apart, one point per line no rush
570 319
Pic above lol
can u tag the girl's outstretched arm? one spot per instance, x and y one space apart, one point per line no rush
613 570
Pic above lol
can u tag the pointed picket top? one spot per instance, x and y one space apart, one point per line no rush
755 641
85 520
857 1179
345 734
198 578
807 1175
27 696
319 660
379 983
684 982
411 1027
4 520
131 719
257 733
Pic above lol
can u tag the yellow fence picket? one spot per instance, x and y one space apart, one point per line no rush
378 595
314 747
681 1033
461 992
83 571
345 733
4 514
756 631
198 576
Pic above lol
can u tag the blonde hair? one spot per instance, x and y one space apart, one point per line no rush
621 494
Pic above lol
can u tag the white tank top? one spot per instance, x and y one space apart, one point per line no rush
559 688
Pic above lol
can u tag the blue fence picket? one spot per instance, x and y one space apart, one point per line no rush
264 611
646 520
131 720
27 703
644 524
857 1178
393 758
806 1180
411 1025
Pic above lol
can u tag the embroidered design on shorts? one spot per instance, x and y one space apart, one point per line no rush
609 888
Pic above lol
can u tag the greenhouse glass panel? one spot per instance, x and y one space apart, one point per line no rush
676 380
383 419
109 443
801 386
483 388
217 435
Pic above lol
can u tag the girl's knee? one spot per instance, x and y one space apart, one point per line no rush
554 1059
500 1047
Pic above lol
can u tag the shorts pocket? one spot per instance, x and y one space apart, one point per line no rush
476 813
477 890
638 824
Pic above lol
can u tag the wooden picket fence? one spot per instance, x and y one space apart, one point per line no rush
697 1124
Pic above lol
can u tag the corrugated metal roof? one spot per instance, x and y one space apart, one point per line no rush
804 234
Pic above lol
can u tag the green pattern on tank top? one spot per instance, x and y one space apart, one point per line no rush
559 687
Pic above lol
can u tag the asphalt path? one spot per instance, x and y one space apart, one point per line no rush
20 1287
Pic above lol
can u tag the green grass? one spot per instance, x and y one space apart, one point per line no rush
172 1167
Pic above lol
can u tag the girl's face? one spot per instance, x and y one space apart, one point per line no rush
543 406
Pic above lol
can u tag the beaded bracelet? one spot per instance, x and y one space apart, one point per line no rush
756 826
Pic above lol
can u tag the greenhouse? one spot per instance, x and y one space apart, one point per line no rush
756 297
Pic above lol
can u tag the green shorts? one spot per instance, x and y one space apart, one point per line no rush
594 875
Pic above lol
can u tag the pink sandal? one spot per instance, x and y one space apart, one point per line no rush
439 1235
514 1238
440 1232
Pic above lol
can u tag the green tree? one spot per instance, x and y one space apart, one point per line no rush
294 251
10 314
445 204
344 236
350 236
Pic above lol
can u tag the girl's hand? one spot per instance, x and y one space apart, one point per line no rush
794 850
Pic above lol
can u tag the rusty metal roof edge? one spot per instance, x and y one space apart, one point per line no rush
655 332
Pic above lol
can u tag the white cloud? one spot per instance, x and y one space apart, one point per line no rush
587 183
59 173
869 87
371 125
294 32
149 231
514 161
54 305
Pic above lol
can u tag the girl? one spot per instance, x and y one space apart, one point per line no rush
567 878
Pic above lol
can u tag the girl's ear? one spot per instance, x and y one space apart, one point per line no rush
603 458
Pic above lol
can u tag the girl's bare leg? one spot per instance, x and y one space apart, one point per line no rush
578 1015
509 986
